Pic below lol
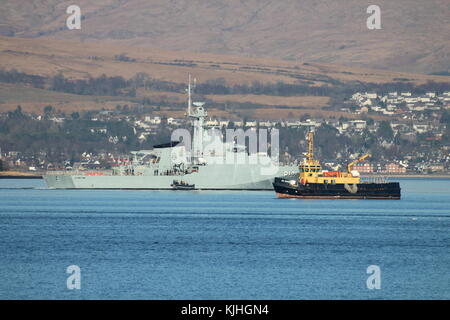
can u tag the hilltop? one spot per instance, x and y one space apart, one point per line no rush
413 38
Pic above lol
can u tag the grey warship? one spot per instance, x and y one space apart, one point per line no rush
205 166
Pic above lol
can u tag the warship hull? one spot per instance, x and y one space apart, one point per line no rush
210 177
285 189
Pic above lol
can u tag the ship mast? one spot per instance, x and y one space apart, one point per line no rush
189 97
310 153
198 116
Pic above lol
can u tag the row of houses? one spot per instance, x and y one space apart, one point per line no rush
398 168
102 160
397 103
392 167
343 126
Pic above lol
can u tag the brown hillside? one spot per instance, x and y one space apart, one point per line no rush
414 35
80 60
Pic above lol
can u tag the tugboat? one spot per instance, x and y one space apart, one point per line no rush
182 185
314 183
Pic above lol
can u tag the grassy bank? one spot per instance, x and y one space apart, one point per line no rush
19 175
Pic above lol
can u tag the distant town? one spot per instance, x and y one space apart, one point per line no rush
415 141
405 104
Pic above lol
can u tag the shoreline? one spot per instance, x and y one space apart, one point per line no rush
413 175
19 175
26 175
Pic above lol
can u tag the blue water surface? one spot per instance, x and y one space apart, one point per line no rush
222 245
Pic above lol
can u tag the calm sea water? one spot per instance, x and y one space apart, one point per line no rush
222 245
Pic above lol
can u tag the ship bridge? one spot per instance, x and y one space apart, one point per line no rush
310 167
311 170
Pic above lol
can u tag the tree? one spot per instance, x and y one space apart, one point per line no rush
385 131
48 110
370 121
140 79
3 165
367 139
327 141
17 114
398 139
75 116
446 136
305 117
445 117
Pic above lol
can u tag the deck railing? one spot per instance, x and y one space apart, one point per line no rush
79 172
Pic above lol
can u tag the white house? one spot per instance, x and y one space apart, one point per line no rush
391 107
155 120
420 128
358 124
371 95
172 121
411 100
266 124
